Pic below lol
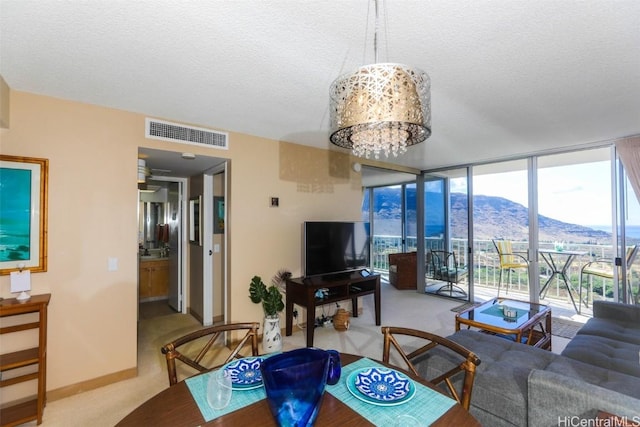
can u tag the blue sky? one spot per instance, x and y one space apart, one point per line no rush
575 194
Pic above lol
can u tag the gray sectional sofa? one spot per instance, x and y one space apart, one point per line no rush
519 385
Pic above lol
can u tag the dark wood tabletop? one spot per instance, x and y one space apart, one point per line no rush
176 407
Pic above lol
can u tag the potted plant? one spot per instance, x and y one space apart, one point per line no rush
271 297
271 300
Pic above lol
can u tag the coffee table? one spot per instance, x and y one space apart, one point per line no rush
531 325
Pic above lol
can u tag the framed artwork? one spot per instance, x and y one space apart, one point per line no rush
218 215
23 214
195 217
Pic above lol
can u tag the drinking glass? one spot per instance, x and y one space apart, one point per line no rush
335 368
219 389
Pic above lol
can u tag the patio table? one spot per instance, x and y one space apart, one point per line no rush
553 258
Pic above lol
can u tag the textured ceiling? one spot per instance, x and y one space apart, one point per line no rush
508 76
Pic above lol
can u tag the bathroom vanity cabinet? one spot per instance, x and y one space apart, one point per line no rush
154 279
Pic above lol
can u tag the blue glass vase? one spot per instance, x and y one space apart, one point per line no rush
294 382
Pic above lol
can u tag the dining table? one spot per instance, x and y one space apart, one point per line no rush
559 262
179 405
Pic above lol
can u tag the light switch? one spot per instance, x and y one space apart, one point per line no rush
216 248
112 264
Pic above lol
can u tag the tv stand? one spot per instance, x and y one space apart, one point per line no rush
335 276
344 286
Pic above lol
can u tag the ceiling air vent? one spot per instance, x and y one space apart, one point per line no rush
174 132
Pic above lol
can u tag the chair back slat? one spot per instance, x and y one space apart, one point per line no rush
468 360
509 260
173 350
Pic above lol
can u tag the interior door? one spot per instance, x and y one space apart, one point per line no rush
175 265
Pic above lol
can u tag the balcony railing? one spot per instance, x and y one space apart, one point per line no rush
487 266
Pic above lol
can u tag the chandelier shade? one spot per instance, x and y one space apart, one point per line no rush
380 108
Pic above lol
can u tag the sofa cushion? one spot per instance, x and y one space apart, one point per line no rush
500 386
617 311
605 378
624 331
556 399
605 353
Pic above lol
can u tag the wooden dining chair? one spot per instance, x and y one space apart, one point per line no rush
468 360
509 261
197 349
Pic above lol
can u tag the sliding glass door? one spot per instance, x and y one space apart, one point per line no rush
446 210
501 219
556 213
574 226
628 234
389 203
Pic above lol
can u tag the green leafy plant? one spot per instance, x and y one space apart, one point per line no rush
280 278
270 297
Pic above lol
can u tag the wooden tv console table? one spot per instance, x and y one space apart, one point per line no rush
340 286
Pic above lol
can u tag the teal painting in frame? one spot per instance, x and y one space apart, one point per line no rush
23 213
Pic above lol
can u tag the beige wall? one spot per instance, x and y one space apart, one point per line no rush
92 154
4 104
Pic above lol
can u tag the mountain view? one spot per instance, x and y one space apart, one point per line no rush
494 217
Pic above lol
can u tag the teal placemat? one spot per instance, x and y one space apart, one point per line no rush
240 398
494 310
427 405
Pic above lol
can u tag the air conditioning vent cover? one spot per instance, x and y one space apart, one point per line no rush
176 132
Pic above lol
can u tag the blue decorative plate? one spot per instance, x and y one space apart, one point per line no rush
381 386
245 373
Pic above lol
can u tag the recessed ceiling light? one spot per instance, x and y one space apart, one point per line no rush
188 156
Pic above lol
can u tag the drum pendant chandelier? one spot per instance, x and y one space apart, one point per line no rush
380 108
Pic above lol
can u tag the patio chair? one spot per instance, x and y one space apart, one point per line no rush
444 267
197 349
467 359
509 261
604 268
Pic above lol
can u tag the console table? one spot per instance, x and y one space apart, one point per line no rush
341 286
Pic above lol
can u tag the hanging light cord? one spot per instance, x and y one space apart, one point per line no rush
375 37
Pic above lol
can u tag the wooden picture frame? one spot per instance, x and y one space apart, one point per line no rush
195 220
218 215
23 213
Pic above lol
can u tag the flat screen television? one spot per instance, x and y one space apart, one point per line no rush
333 247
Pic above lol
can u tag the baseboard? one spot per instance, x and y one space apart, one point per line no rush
196 315
216 319
152 299
73 389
